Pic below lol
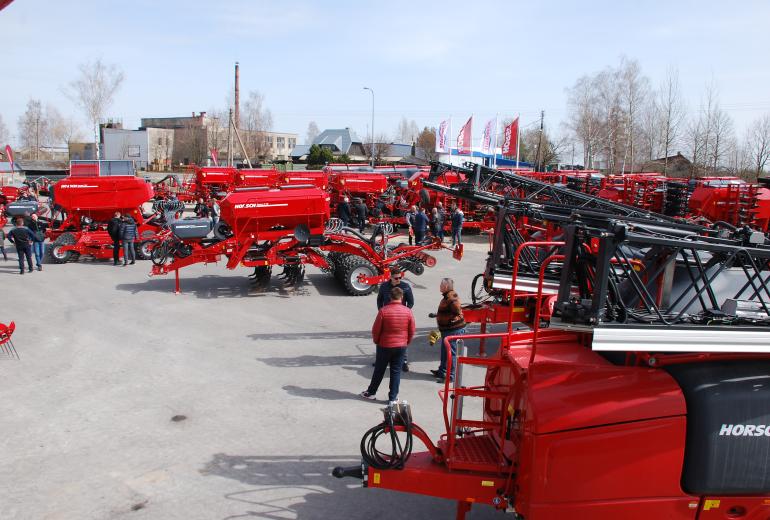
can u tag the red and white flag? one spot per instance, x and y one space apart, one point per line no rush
9 154
464 138
510 138
215 156
442 143
486 141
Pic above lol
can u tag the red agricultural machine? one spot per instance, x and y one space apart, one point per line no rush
638 390
288 226
84 202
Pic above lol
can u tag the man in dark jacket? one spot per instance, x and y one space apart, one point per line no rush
392 332
343 211
201 209
114 230
457 225
128 236
409 218
420 224
361 215
385 294
22 238
38 237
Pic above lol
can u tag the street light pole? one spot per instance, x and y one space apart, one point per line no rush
372 152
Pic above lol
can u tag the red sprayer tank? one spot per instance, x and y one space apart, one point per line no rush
271 214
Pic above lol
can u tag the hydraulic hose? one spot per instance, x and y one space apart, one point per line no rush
395 415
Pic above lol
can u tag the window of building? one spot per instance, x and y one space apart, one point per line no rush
292 142
160 141
268 140
280 143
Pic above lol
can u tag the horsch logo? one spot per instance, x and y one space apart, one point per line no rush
258 205
745 430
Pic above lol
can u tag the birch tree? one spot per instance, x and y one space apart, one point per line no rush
672 113
758 144
94 92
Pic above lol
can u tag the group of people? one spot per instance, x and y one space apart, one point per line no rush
208 210
352 214
420 224
27 235
394 329
123 231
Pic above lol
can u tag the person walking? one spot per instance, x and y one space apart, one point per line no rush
420 224
215 212
114 230
21 237
451 322
38 237
440 221
392 331
128 236
201 210
409 218
457 225
2 244
343 211
361 215
385 295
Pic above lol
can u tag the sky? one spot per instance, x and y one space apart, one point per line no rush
425 60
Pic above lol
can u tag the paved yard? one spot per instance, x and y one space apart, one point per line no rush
263 387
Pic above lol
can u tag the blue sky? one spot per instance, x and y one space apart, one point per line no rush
424 60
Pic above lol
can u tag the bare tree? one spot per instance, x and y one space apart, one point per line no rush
722 138
650 132
635 88
312 132
94 91
378 148
758 144
426 143
583 117
407 131
256 120
672 113
32 128
216 129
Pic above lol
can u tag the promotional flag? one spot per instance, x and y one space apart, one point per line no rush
464 138
486 141
215 156
442 146
9 154
510 138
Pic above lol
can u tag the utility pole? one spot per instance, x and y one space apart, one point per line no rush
539 165
372 91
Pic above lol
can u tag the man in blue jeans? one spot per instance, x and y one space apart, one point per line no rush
383 298
392 332
21 237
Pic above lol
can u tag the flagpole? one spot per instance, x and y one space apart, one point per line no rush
518 138
449 139
494 149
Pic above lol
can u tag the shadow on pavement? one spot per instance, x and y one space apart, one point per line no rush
302 487
213 286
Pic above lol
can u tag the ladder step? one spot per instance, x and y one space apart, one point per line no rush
473 392
479 425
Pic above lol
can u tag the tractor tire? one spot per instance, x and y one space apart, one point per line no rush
222 231
352 267
62 257
143 249
339 266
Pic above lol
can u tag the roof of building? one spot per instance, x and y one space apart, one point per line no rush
338 138
398 150
300 150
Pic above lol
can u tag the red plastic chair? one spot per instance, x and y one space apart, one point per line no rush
6 344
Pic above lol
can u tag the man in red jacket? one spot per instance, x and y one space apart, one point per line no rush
392 332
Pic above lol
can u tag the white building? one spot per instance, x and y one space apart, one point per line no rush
150 149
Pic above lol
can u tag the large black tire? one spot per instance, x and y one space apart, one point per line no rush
143 251
339 266
62 257
352 267
478 288
222 231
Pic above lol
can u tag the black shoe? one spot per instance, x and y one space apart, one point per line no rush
40 268
21 272
114 263
374 364
132 262
436 373
29 270
405 367
125 264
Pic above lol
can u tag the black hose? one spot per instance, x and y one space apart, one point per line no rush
399 453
